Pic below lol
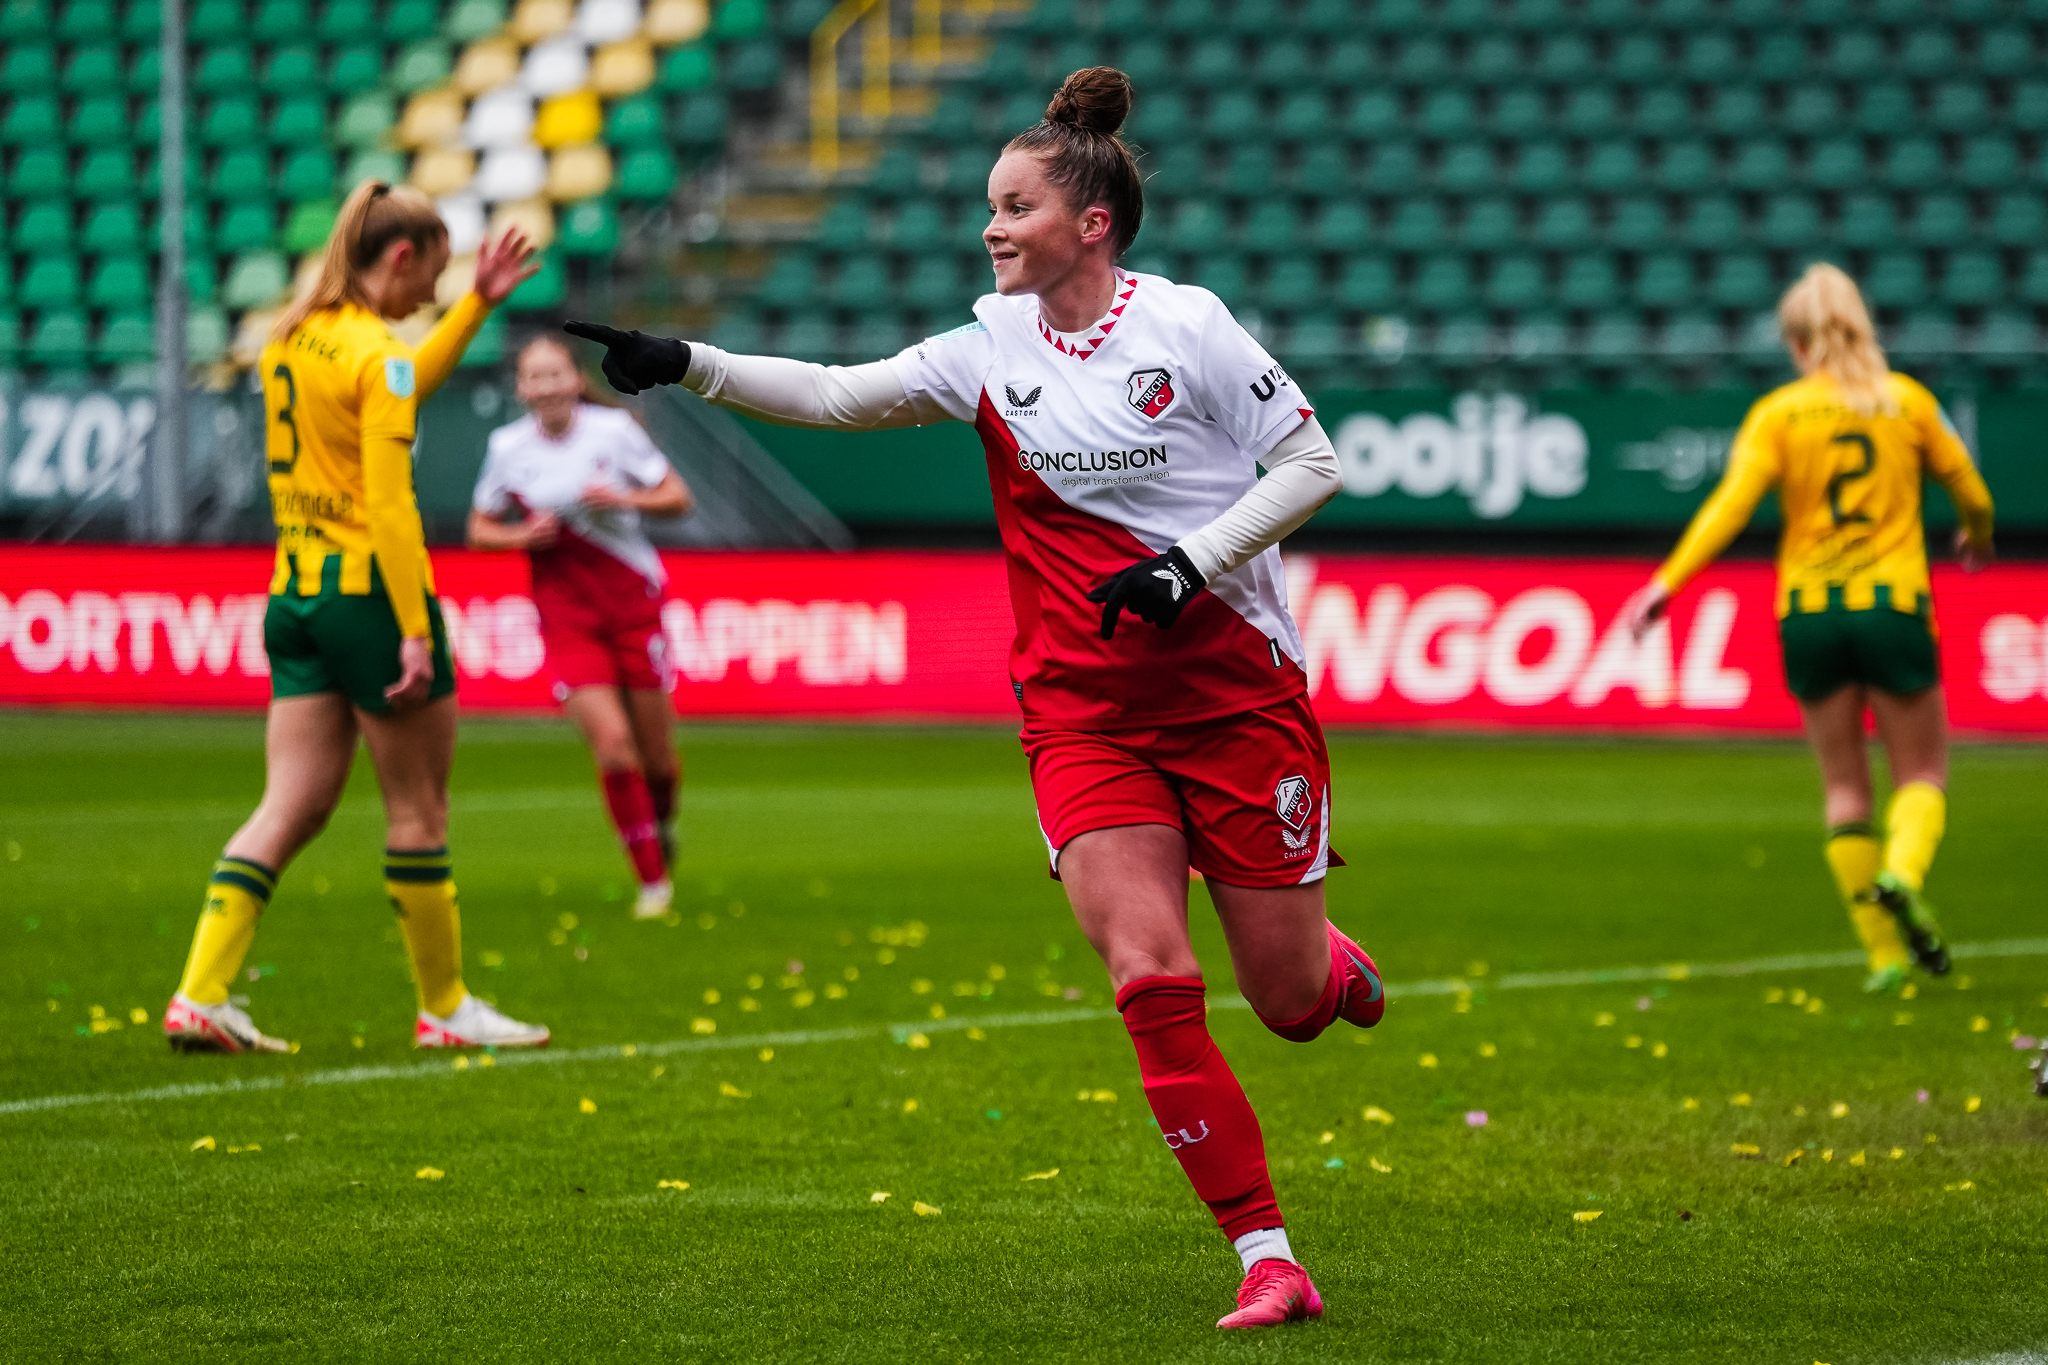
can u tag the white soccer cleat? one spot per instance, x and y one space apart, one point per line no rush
476 1024
655 899
193 1027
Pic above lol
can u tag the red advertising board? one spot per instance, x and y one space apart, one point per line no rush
1390 641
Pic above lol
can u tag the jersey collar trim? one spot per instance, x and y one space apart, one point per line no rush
1091 341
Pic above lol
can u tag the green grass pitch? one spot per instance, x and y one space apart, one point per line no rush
836 882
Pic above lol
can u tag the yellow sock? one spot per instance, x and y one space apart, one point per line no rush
1852 857
1913 828
235 897
421 885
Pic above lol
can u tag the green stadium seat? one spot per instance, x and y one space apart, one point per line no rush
1448 113
93 69
751 66
808 337
8 317
408 21
1316 339
152 179
1464 340
1161 119
1294 283
61 338
1783 54
1367 282
1989 162
23 20
256 280
1929 51
114 228
1197 225
470 20
1855 53
1613 165
953 117
897 171
239 174
1811 110
2033 286
1868 220
1896 279
1638 58
843 226
1305 114
1325 168
1687 166
1886 108
1591 111
1972 279
1520 113
1761 165
1342 225
1490 225
1714 222
1492 59
1008 66
1537 337
1942 220
347 21
31 119
1417 225
791 283
26 68
250 225
1589 282
1637 222
45 227
142 21
1836 163
1233 115
293 67
920 226
1272 229
1181 169
1215 60
1541 167
700 120
228 69
1515 282
1741 279
1373 114
202 280
1249 170
2006 333
228 120
2018 218
308 174
308 225
1146 60
364 120
739 333
1348 63
1791 221
1738 111
589 227
487 347
1567 224
1691 336
1616 339
1711 57
356 68
1924 334
283 21
371 163
1282 61
39 172
421 65
1611 16
1664 280
99 119
689 67
737 19
1960 107
967 169
217 21
1564 57
1467 167
145 71
1662 111
862 284
938 285
1914 163
1325 18
119 282
49 282
646 174
147 127
1223 276
299 120
108 173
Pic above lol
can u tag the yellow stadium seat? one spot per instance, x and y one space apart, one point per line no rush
443 170
670 22
487 65
456 280
252 334
624 68
306 274
579 172
569 119
432 118
536 21
534 217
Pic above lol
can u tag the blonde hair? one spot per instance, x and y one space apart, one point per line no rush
1824 316
375 215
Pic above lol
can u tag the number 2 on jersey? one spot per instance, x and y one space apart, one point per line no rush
1862 442
284 415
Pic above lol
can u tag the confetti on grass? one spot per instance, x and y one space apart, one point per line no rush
428 1173
1475 1118
1587 1215
1379 1165
204 1144
879 1197
1744 1149
1043 1175
671 1184
1375 1114
1973 1104
924 1210
731 1091
1962 1185
587 1106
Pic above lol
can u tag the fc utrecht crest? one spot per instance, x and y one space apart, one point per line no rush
1150 391
1292 799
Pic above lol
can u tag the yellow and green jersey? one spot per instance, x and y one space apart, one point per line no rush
341 403
1849 485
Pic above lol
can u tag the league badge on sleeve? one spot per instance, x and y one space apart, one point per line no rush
398 377
1150 391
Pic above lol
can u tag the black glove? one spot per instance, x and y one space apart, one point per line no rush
1157 589
634 360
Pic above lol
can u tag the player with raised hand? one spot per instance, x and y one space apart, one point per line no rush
353 632
568 484
1123 416
1848 447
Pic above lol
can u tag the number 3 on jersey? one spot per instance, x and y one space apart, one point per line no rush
1860 471
285 418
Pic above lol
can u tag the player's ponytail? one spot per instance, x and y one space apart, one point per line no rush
1824 316
374 216
1084 157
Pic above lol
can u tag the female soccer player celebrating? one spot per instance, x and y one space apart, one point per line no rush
354 635
1122 416
579 476
1847 447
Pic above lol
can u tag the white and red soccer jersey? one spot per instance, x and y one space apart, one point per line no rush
1108 448
602 571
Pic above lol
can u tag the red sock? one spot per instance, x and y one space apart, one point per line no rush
1200 1106
625 791
1320 1016
663 792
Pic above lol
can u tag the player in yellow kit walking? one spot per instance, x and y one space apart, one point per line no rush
1847 447
353 632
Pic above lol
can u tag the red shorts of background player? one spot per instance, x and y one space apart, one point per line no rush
1250 792
583 654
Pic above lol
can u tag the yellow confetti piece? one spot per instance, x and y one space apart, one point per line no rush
749 1005
1744 1149
1739 1101
766 1054
1798 1111
1488 1050
629 1050
920 987
1633 1040
975 1035
1660 1051
138 1015
924 1210
1933 1138
879 1197
1327 1138
1979 1024
428 1173
233 1150
1103 1096
1775 996
1793 1156
1428 1059
204 1144
1603 1019
1838 1110
1688 1103
1827 1154
1961 1185
487 1060
711 996
1796 997
357 1040
1973 1104
918 1041
1587 1215
938 1011
292 1048
910 1106
1379 1165
1815 1005
671 1184
728 1089
1857 1160
703 1026
659 1072
1374 1114
461 1064
1901 1018
1043 1175
1897 1152
587 1106
1909 990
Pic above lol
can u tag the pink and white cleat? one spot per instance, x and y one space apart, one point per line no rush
193 1027
1274 1292
476 1024
1365 998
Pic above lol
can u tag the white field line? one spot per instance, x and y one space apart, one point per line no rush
612 1052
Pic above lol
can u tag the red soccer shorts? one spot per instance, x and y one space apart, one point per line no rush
634 657
1250 792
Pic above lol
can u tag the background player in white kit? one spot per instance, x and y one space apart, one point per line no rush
568 483
1123 416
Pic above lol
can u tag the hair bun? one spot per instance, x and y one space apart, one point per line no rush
1097 99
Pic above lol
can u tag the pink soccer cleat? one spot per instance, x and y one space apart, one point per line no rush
1274 1292
1365 999
193 1027
476 1024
